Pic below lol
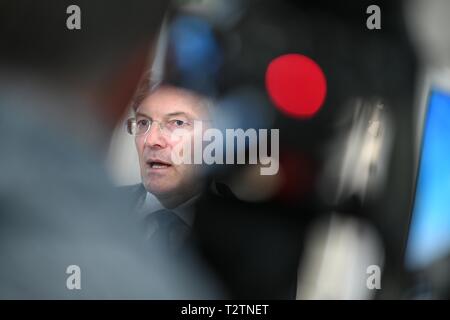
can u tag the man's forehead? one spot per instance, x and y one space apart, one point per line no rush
167 100
179 114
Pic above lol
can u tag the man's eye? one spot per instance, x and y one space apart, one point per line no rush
178 123
142 123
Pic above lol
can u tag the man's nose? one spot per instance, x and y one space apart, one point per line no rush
154 137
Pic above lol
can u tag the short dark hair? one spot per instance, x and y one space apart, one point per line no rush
150 84
146 86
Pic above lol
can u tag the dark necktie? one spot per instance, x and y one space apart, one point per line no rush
166 230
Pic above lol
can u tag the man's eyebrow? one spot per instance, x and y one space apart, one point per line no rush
178 113
142 115
168 115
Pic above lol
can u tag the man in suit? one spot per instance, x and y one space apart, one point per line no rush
194 218
168 189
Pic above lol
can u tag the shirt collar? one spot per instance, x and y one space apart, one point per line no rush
184 211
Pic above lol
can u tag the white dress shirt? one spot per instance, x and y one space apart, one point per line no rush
184 211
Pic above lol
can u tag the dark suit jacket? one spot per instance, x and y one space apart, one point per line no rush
251 248
137 192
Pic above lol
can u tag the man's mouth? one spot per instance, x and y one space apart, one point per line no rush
158 164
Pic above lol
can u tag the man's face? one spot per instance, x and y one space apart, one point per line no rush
170 108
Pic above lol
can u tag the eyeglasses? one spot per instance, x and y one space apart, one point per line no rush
139 127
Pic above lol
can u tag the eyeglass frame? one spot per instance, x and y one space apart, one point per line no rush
160 125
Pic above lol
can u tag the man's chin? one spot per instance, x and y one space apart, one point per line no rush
159 190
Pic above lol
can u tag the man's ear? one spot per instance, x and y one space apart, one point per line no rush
115 96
